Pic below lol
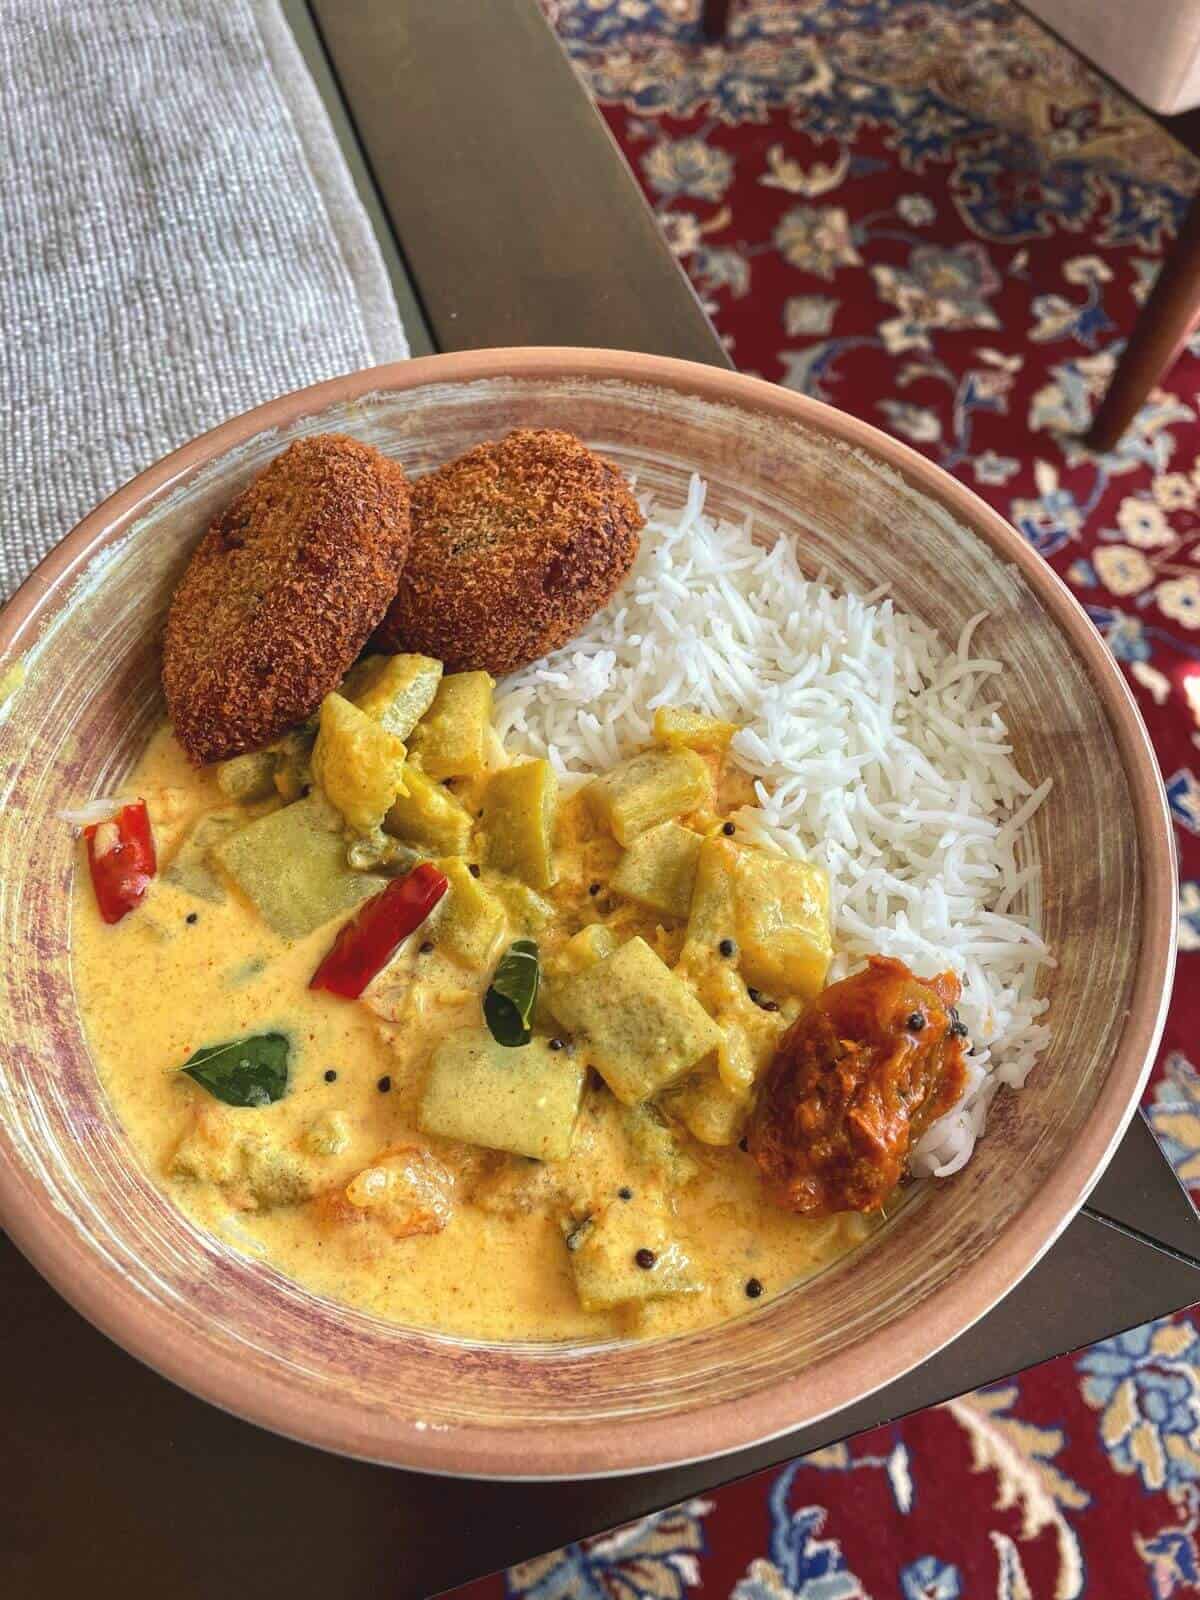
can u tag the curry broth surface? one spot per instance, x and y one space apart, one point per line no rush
156 987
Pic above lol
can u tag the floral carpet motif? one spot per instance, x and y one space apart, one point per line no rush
1080 1480
937 217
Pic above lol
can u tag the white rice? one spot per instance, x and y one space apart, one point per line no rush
878 751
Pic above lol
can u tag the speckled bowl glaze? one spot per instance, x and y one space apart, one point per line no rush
863 507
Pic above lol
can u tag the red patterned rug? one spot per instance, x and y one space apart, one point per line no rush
1079 1479
934 215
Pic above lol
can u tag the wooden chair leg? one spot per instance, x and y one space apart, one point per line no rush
1160 333
714 19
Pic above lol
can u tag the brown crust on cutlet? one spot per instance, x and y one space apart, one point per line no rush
282 593
515 545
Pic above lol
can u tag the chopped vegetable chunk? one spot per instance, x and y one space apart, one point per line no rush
293 762
396 691
292 866
248 1163
247 778
191 865
519 810
640 1026
585 948
712 915
471 922
649 789
524 1100
429 815
626 1253
528 913
358 764
707 1107
782 923
678 729
450 741
659 869
772 911
657 1145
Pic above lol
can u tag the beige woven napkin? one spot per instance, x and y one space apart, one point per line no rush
181 240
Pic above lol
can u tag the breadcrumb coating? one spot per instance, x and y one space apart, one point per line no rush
514 546
282 593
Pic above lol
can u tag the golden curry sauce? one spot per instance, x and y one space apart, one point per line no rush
587 1184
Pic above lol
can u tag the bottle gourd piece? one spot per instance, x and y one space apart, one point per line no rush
782 924
191 866
470 922
520 806
712 915
524 1099
528 913
291 865
450 741
395 691
606 1255
358 763
639 1025
707 1107
658 870
584 949
691 730
429 815
292 753
651 788
774 909
247 778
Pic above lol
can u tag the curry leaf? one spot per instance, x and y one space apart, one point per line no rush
509 1002
244 1072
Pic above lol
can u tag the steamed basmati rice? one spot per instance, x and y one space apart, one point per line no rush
875 749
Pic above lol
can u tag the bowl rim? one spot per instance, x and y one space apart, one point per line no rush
50 1241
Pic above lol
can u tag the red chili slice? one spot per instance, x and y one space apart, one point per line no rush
122 860
366 943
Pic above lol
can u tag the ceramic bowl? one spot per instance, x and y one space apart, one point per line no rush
867 510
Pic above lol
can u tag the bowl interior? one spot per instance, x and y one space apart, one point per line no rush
244 1335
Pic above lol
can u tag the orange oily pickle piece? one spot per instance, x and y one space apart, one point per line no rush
856 1081
406 1190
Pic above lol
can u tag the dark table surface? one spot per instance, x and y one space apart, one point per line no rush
506 217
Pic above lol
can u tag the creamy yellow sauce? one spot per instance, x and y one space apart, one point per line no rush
182 972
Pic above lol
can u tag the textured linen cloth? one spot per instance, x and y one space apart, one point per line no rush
181 241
